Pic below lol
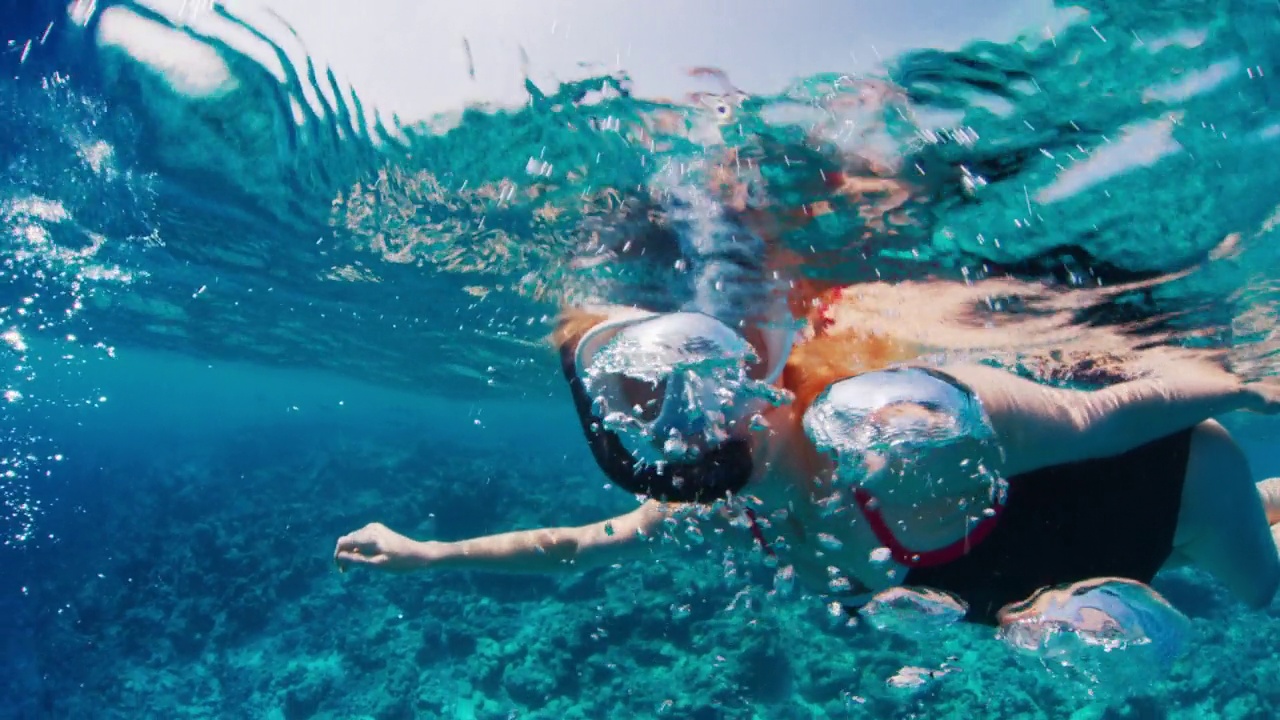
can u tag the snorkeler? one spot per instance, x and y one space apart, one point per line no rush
856 466
961 478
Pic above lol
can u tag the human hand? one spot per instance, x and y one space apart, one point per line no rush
379 546
1263 396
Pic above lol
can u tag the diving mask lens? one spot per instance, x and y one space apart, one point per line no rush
672 386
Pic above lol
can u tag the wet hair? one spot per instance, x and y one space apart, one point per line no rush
714 475
829 356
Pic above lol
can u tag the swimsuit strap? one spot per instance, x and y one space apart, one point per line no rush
757 533
927 558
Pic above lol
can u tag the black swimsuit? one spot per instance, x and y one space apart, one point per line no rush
1113 517
1109 517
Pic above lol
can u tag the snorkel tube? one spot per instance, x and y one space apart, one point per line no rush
727 262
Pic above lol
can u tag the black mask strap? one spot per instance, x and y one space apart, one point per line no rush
713 476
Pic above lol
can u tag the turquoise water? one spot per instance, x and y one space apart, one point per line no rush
243 314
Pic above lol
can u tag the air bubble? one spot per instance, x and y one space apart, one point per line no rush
784 580
700 366
1112 636
913 612
831 505
694 534
913 679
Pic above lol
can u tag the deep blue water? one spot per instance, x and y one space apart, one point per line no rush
238 323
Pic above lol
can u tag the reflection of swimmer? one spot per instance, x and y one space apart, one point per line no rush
964 478
1114 636
1111 613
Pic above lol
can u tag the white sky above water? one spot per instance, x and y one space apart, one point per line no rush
407 56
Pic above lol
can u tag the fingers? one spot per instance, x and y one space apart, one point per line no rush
1270 392
359 547
365 538
356 553
1264 395
347 558
354 543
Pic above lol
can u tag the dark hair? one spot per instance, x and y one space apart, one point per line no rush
713 476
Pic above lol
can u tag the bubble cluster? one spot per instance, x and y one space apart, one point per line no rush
1110 635
913 441
914 612
912 679
867 421
695 370
67 210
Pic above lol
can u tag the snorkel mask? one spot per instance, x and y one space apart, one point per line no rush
666 402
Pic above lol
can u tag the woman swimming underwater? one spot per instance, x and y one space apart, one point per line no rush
859 467
961 478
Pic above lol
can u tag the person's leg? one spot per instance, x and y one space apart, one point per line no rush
1222 524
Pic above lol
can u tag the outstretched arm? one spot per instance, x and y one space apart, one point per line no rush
1041 426
542 550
